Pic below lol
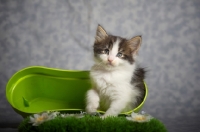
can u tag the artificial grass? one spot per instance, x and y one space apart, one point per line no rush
92 124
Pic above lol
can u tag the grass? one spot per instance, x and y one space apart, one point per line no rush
92 124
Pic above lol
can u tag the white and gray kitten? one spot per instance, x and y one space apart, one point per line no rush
116 78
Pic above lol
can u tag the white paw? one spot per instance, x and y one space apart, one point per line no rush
91 109
107 115
102 117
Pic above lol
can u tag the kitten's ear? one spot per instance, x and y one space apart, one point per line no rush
100 34
135 43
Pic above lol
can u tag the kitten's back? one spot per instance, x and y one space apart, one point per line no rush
138 81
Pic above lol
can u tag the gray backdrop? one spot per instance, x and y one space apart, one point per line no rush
60 34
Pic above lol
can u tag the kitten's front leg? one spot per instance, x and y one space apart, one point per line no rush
92 100
115 108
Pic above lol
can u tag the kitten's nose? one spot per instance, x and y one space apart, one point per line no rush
110 60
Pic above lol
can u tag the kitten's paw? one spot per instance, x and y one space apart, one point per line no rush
105 116
91 109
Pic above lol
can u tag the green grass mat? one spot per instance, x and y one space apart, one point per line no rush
90 123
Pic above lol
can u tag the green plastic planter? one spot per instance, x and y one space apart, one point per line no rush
36 89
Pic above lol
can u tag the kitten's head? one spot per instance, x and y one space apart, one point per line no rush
114 51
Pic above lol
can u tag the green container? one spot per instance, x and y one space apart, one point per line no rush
36 89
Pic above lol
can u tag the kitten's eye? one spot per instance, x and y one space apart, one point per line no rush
119 55
106 51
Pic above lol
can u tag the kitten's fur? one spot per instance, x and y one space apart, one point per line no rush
117 79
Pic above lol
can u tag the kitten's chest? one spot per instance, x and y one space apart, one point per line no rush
108 79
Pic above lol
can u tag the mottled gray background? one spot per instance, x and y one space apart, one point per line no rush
60 34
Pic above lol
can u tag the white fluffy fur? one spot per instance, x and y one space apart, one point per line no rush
111 90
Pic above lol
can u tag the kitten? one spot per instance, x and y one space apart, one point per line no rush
116 78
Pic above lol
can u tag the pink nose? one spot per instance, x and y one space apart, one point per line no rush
110 60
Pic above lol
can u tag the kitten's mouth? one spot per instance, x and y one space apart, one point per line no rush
109 64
